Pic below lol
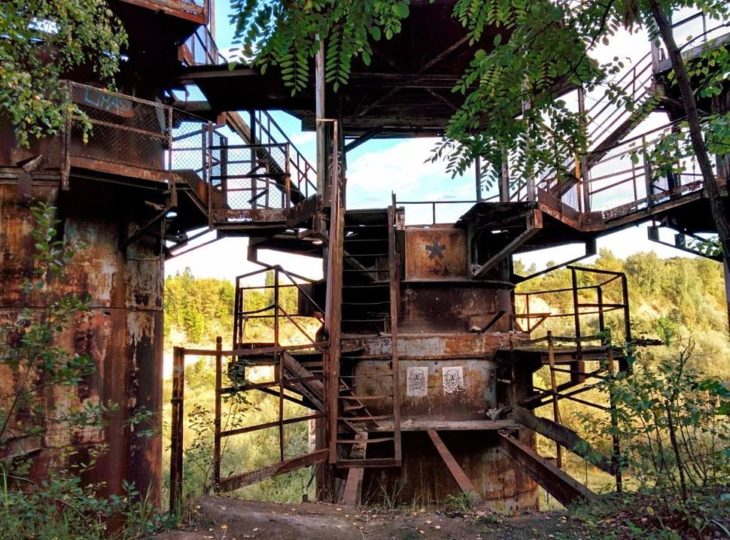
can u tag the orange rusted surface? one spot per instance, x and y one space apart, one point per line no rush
435 253
122 331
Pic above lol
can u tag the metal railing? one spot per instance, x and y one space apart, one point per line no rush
431 210
692 31
287 380
266 131
277 283
127 134
133 137
593 294
267 171
244 371
627 180
201 49
607 122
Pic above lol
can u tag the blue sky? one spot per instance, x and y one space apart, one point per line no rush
379 167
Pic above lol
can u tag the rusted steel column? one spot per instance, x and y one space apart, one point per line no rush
122 332
176 435
394 270
614 428
333 306
321 127
218 412
585 179
554 389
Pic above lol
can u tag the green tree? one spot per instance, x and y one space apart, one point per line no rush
516 84
43 40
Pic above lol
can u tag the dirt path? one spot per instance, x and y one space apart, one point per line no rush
222 518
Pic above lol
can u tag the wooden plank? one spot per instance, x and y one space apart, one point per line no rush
246 479
456 471
353 485
351 496
564 436
556 482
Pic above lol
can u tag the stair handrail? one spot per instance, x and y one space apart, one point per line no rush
636 84
266 129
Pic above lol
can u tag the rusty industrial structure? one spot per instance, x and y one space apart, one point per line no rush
420 380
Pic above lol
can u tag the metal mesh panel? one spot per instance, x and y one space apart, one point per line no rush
124 130
255 176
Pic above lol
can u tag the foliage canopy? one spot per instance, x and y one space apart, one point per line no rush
42 41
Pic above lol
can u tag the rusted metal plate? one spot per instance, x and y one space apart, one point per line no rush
432 307
435 253
424 479
104 101
122 332
456 471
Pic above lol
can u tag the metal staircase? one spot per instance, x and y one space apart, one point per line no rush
368 408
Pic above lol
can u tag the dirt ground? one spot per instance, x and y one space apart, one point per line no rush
223 518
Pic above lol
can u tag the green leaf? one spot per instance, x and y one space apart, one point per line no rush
401 9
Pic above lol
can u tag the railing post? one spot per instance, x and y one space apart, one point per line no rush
280 366
504 177
647 174
478 176
394 257
575 376
276 306
601 320
584 173
168 133
177 429
287 177
554 390
616 457
218 412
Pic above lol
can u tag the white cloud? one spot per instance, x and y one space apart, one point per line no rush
401 168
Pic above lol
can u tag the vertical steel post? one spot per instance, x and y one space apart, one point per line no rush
276 306
280 366
575 376
478 176
584 173
554 389
237 314
333 307
647 174
218 412
321 127
504 177
616 457
287 177
394 259
177 429
601 318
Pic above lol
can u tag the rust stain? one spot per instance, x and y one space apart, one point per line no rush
435 253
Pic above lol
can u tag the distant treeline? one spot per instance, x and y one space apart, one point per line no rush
670 298
199 309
